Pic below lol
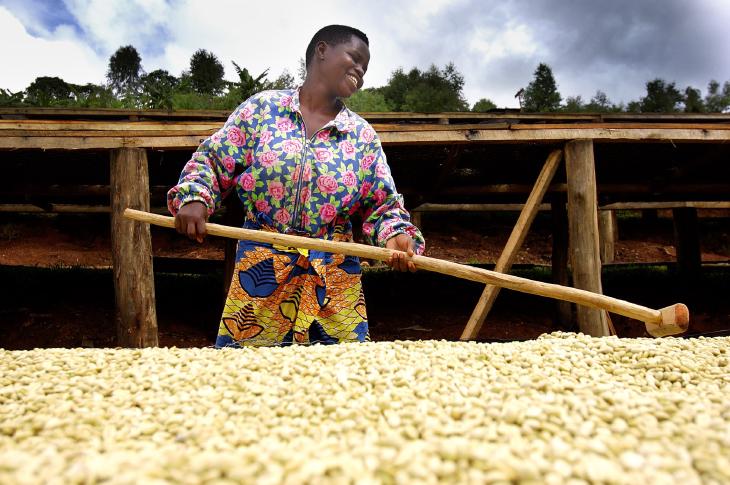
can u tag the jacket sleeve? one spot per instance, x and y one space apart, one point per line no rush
210 173
383 212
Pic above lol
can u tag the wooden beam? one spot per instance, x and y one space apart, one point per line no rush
430 207
514 243
607 235
134 286
66 209
691 204
583 228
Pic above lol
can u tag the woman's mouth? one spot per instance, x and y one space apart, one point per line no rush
353 80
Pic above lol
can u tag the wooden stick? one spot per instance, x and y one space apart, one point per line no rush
671 320
514 243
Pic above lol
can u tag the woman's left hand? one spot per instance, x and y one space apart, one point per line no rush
401 260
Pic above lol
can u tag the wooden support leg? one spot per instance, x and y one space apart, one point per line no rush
516 238
687 242
134 285
583 230
608 233
560 274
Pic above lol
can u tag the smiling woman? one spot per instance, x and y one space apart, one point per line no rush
302 163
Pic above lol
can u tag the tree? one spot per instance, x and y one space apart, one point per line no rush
10 99
574 104
125 70
716 101
542 93
157 89
206 73
302 71
483 105
426 91
284 81
247 85
368 100
693 101
93 96
660 97
48 91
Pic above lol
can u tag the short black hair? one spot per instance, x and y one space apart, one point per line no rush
333 35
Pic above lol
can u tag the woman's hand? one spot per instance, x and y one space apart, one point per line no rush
190 220
401 260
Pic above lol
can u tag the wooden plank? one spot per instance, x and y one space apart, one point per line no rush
695 204
623 126
607 235
134 286
108 126
583 229
514 243
431 207
404 138
66 209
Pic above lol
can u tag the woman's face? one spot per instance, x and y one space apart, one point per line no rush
344 66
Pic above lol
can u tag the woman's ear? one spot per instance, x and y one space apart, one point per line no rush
320 50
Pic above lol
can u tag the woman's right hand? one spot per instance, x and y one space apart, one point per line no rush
190 220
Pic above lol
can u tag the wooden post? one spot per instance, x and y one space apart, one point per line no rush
687 242
608 233
559 260
516 238
583 231
134 286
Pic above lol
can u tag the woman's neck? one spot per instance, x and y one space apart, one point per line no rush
314 97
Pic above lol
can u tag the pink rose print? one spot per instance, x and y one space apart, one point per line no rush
286 100
367 135
323 155
249 157
284 125
327 184
247 181
367 228
379 196
381 171
267 159
304 195
349 178
292 146
216 137
229 163
328 212
323 135
263 206
235 136
276 189
366 161
365 188
265 137
305 219
347 149
307 173
282 216
347 199
247 113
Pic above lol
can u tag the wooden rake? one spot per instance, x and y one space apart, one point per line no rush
671 320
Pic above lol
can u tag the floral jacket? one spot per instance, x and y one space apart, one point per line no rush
294 183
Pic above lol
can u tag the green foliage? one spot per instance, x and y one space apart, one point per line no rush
48 91
542 93
693 101
284 81
93 96
661 97
716 101
247 85
158 88
206 73
10 99
426 91
125 70
370 100
484 105
302 71
574 104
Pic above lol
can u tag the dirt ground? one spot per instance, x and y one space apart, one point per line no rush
61 292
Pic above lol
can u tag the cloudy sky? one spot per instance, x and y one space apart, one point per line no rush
611 45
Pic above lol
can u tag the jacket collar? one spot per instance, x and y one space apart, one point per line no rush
344 122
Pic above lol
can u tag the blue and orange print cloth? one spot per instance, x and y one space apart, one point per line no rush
295 183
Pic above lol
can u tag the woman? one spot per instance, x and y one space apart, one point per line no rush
302 163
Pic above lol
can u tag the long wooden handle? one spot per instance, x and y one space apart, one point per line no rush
657 318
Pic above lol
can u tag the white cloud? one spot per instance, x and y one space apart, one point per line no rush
62 54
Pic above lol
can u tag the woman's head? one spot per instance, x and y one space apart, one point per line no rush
338 56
